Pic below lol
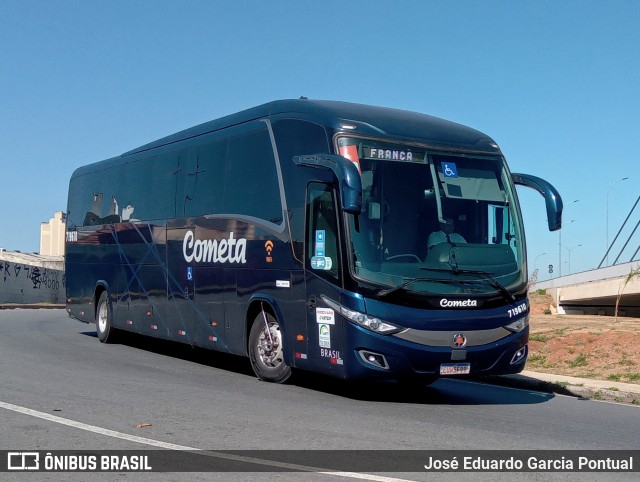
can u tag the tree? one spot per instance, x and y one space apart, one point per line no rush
634 273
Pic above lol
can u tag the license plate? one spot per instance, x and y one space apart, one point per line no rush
455 368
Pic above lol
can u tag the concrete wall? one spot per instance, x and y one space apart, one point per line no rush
31 278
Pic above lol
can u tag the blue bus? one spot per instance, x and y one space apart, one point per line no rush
356 241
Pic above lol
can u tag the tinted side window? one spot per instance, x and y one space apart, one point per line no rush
81 204
293 138
205 179
251 185
235 175
147 190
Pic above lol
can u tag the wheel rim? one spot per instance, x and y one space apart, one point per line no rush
270 347
102 317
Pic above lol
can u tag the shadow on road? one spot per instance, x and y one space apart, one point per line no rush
201 356
442 392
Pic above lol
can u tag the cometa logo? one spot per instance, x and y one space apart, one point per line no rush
213 250
445 303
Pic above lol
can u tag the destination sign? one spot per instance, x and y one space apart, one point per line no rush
355 149
406 155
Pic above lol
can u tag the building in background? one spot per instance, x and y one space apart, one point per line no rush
52 235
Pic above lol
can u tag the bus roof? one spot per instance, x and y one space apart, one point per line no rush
368 120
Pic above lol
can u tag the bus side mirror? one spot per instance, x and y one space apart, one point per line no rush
551 196
346 173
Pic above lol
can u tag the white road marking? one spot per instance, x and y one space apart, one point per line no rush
185 448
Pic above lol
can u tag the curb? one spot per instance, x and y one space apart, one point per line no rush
35 306
584 388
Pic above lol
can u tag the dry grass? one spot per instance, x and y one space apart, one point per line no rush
583 346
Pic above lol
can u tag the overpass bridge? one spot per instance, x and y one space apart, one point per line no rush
594 292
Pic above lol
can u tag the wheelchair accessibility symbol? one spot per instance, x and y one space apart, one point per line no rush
449 169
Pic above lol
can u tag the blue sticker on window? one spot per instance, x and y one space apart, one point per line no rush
449 169
319 248
318 262
321 262
189 273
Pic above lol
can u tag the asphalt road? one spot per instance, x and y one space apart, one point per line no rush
60 388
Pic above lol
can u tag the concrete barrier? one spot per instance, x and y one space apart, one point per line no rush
595 292
31 279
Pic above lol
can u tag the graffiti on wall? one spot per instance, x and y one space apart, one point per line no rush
40 278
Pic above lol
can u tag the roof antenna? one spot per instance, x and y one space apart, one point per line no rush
302 97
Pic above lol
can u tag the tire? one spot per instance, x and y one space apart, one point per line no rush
265 353
104 316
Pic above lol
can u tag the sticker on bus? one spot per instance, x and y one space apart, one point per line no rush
321 262
449 169
324 334
320 237
325 316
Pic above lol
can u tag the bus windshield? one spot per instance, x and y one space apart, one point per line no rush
434 223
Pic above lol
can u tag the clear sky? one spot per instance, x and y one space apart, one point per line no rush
556 84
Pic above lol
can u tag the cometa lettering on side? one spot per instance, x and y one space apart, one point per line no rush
214 251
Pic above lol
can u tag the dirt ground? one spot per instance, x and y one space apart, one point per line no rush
585 346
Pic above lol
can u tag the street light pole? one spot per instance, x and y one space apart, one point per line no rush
536 261
560 243
570 256
607 215
569 250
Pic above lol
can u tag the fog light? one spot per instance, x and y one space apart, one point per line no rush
375 359
520 355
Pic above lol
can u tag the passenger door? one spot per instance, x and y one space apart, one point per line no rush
323 278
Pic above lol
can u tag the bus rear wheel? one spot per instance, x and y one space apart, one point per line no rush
103 319
265 349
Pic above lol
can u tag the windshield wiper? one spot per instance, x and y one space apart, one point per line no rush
388 291
487 276
496 284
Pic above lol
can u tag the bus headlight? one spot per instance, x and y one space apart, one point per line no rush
370 323
518 325
373 324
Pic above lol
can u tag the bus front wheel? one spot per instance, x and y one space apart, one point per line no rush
103 319
265 349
